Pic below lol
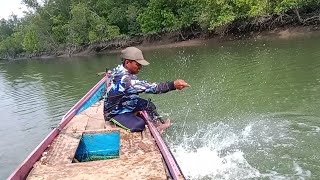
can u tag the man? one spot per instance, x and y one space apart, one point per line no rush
123 101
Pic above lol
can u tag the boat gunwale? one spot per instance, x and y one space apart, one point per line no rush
22 171
170 161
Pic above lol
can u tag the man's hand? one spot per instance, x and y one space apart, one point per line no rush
180 84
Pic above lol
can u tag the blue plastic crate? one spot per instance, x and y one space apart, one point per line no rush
98 146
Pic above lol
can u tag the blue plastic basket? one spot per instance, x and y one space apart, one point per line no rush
98 146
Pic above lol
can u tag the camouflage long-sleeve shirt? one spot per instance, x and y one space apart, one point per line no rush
125 89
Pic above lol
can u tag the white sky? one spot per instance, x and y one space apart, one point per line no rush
7 7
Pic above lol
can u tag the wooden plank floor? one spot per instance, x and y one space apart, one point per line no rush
139 156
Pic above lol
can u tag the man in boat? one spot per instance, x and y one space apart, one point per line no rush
123 102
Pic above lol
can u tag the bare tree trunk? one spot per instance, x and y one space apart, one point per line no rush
182 37
296 11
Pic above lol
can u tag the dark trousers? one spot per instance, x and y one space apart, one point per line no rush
135 123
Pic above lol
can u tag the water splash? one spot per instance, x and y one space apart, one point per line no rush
212 153
227 150
206 163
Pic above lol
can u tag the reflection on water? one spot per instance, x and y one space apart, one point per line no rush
251 110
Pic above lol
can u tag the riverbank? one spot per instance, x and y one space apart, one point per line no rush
185 38
89 28
169 41
296 22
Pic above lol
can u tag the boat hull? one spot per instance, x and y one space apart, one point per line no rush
45 159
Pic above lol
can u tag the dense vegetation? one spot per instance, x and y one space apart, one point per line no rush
68 24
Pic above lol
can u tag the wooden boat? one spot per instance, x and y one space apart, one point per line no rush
141 155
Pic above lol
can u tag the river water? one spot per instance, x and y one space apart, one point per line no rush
252 111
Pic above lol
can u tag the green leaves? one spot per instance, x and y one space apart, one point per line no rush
59 23
87 26
31 42
167 16
285 5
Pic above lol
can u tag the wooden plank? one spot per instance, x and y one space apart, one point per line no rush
95 117
95 122
62 149
77 124
148 166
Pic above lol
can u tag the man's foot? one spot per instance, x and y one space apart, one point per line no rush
161 127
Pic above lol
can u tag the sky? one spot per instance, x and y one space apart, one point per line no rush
7 7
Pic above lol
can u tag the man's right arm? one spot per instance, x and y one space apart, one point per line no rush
157 88
154 88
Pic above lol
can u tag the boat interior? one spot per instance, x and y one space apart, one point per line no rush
138 154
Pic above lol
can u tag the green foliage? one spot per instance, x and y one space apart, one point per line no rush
251 8
101 30
285 5
120 13
132 14
280 6
188 12
78 26
31 42
56 23
37 34
158 16
150 20
222 12
59 28
5 29
216 13
31 3
6 47
11 45
87 26
113 32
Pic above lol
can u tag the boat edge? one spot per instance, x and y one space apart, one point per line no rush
25 167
